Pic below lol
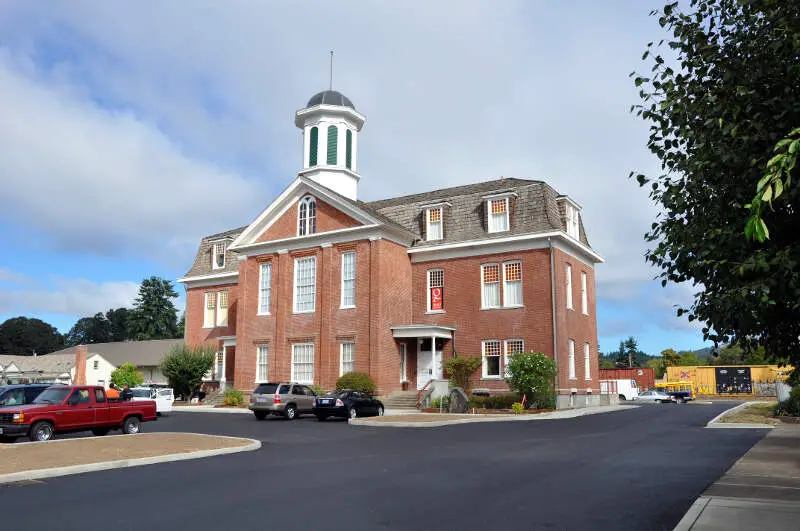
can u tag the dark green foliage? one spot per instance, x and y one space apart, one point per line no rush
88 330
154 316
716 113
494 401
791 406
460 370
532 374
23 336
184 367
356 381
118 321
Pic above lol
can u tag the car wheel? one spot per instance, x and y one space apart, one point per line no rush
290 413
380 411
353 413
322 417
260 415
680 400
41 431
99 432
622 397
131 426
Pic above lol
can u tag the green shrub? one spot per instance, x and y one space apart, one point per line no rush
441 402
791 406
185 366
517 408
356 381
233 397
532 374
460 369
126 374
318 390
493 402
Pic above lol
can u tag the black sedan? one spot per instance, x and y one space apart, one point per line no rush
346 404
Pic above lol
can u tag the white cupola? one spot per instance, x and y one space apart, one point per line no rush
330 125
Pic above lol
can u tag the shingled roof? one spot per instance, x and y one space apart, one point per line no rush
534 208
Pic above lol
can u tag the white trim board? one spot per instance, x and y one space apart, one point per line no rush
217 279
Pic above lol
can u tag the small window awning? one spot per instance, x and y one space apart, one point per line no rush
423 330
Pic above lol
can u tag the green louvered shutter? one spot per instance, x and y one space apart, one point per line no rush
313 146
348 154
333 141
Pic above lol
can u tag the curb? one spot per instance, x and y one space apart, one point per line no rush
126 463
715 423
692 514
491 418
208 409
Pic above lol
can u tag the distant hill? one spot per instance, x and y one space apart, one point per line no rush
703 354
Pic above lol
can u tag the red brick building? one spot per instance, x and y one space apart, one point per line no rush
321 283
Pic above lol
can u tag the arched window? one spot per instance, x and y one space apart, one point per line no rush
307 216
348 153
313 146
333 142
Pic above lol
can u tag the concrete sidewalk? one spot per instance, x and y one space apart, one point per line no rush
761 491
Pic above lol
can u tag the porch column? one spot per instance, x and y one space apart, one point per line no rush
222 376
433 357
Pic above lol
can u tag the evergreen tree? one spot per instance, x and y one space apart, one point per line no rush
154 315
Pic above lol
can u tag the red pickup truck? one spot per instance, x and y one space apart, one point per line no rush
64 408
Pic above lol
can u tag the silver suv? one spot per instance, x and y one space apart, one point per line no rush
287 399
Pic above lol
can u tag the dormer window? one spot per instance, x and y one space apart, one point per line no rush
434 226
218 256
498 214
572 221
307 216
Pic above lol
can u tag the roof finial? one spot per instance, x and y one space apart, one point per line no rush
331 76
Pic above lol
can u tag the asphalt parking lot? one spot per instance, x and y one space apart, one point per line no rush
637 469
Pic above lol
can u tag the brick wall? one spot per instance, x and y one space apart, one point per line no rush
195 334
328 219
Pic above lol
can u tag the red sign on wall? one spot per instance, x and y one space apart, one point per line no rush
437 299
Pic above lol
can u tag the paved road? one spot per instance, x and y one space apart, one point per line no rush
637 469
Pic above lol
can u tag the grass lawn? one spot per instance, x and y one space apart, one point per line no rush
752 414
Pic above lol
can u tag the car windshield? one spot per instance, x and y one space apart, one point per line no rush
141 393
336 394
266 389
54 395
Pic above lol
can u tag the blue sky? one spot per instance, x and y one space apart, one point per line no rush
130 130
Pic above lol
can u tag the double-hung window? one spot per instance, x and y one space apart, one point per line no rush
222 308
569 287
348 358
512 283
210 309
572 221
218 256
490 286
435 290
513 346
571 359
584 297
434 229
262 363
349 279
303 363
305 284
587 371
491 358
264 288
498 214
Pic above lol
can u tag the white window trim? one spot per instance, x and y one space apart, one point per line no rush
483 300
521 304
403 363
484 365
440 236
489 214
584 294
428 291
587 367
570 305
214 265
572 360
505 352
573 228
341 356
313 357
218 311
294 284
261 268
342 305
213 322
307 200
258 359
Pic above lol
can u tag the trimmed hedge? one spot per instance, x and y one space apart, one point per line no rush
356 381
493 402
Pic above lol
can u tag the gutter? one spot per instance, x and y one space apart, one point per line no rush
553 301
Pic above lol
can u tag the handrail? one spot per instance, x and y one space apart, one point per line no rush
421 391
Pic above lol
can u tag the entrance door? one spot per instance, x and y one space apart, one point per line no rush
429 365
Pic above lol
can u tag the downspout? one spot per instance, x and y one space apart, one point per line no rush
553 301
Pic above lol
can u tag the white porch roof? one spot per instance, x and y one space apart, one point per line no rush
423 330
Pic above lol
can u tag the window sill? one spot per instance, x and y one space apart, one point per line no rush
584 313
208 327
491 378
347 307
262 314
504 307
296 312
570 309
434 312
572 378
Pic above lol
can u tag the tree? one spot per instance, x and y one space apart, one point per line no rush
184 367
182 326
460 370
23 336
714 123
118 321
670 357
659 367
532 374
87 330
688 359
154 316
126 374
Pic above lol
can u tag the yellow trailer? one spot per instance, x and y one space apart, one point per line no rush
731 379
